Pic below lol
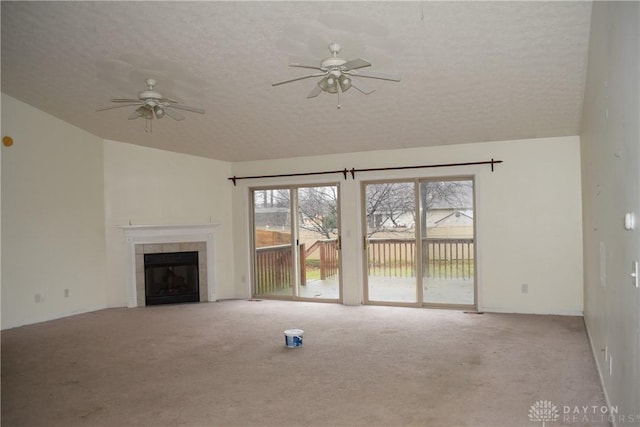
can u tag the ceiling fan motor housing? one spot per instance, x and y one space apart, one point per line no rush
333 63
149 94
151 104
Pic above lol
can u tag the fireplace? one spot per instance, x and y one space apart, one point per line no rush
171 277
142 240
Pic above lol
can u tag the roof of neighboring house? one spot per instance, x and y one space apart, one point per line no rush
467 214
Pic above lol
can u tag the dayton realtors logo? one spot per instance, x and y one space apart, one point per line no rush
543 410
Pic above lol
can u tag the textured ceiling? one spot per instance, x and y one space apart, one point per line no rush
471 71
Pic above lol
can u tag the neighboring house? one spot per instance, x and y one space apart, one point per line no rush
441 219
456 224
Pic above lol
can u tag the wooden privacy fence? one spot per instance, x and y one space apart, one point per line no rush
442 258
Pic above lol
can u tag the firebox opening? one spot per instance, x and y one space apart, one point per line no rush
171 277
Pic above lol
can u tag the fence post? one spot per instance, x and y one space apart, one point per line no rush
323 268
303 265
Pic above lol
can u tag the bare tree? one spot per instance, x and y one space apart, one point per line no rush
318 210
272 198
388 202
454 194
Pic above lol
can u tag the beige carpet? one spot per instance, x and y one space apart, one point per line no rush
225 364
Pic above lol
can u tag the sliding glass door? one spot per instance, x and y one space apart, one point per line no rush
448 243
296 242
273 242
318 234
419 242
390 242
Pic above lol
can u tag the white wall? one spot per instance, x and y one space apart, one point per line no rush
611 188
65 191
145 186
59 208
528 216
52 217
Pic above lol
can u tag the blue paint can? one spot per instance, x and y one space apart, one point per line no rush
293 338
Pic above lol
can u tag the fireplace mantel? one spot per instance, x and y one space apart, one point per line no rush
145 234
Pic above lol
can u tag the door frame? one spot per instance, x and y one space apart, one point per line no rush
417 235
293 209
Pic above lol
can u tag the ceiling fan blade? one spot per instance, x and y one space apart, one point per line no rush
317 90
173 114
378 75
356 63
302 62
361 86
124 100
301 65
185 108
117 106
299 78
171 100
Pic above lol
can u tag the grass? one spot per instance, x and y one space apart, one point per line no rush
313 274
438 269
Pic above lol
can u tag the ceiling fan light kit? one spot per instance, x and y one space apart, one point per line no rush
152 105
339 75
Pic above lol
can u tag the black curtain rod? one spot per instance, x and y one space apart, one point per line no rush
353 171
235 178
442 165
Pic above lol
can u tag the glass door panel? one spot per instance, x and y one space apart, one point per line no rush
274 274
448 239
389 210
318 242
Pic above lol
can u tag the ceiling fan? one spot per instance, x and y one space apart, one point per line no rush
339 75
151 104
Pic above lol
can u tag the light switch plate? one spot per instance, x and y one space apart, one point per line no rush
630 221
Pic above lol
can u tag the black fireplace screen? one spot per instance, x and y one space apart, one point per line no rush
171 277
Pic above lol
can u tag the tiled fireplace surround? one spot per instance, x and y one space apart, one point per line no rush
145 239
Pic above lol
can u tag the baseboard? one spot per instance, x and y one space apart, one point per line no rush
595 352
552 313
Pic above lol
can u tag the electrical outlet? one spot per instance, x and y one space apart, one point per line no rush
66 293
524 288
38 298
